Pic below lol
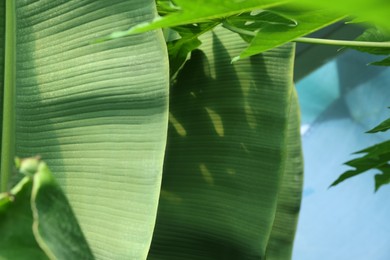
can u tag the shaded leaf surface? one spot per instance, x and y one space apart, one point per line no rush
55 226
36 221
17 240
224 162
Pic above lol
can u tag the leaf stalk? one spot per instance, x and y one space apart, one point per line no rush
8 133
317 40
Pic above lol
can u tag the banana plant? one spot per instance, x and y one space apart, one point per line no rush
206 165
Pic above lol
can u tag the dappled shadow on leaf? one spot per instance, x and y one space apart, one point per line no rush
223 172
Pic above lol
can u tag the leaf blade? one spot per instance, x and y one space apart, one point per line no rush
96 113
218 199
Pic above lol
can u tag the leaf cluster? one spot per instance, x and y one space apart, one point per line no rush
376 157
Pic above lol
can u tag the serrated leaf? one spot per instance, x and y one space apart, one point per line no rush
382 179
180 49
17 240
374 35
382 127
273 35
254 21
376 157
384 62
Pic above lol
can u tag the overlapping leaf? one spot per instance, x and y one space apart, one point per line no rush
36 220
372 11
307 20
226 153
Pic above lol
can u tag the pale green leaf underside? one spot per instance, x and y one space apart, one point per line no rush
225 153
96 113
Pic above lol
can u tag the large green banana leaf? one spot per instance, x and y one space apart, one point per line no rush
97 114
226 153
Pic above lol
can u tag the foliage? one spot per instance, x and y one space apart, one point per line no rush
29 215
376 157
99 115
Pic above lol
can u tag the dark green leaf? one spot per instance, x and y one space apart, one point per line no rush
376 157
180 49
382 179
225 160
36 220
55 226
17 240
384 62
382 127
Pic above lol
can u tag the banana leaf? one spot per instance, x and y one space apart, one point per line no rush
226 153
96 113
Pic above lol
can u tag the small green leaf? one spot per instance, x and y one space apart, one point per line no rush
382 179
255 20
384 62
376 157
179 50
382 127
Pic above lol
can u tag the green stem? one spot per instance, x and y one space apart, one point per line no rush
8 135
317 41
343 43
